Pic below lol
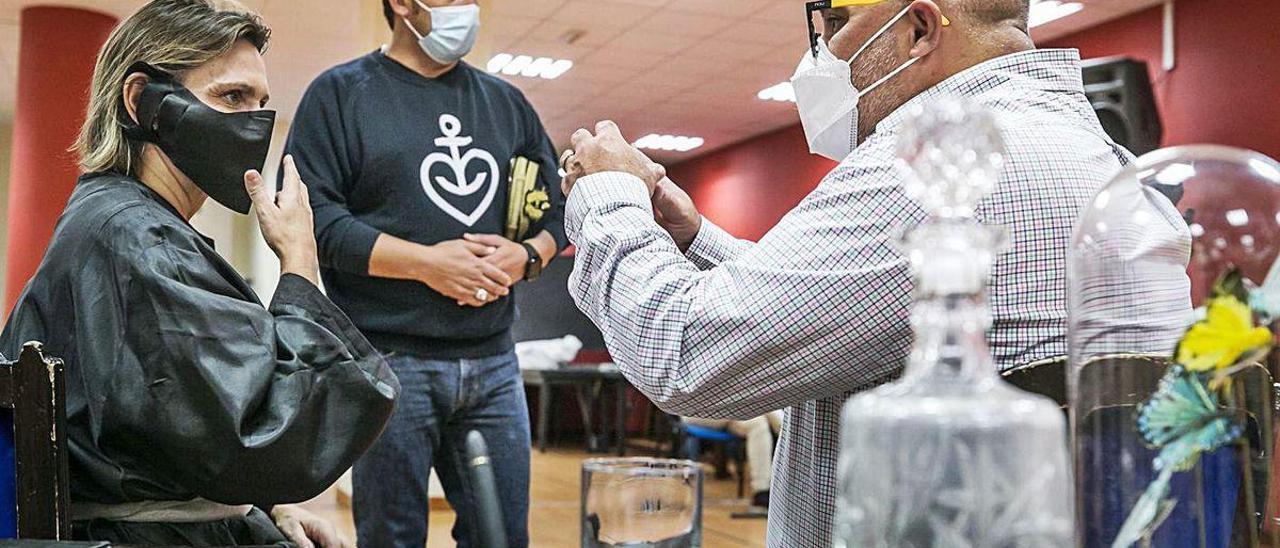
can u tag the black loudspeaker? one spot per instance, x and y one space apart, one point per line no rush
1120 90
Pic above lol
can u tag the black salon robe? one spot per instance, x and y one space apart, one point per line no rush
180 384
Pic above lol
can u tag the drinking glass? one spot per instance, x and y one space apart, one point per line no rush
641 502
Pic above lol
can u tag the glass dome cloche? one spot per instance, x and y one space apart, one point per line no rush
1174 293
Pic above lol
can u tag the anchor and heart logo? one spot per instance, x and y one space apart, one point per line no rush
456 161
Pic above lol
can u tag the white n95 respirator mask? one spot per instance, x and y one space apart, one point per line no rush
827 99
453 32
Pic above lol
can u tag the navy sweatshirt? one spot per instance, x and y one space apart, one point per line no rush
385 150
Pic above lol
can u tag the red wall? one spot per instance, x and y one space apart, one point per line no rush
1225 89
746 188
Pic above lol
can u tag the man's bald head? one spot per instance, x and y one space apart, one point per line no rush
978 13
991 13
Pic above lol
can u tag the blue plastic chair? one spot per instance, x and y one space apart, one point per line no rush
690 437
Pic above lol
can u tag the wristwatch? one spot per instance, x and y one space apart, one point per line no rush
533 268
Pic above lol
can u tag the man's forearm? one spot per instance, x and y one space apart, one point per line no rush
807 313
396 258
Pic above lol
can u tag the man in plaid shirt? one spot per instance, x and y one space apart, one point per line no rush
708 325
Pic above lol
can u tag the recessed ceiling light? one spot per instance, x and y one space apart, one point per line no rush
1044 11
1175 174
670 143
500 60
528 66
517 64
782 93
557 69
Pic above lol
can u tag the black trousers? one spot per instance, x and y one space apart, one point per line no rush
254 529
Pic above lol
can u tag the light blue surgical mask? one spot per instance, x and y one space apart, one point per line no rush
453 32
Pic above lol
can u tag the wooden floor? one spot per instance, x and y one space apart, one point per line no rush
553 510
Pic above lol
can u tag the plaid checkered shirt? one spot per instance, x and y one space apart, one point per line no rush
818 309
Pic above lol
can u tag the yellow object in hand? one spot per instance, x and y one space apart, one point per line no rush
523 182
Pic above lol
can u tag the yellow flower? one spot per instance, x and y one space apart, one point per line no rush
1225 336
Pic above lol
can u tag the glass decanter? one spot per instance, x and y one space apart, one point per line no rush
1148 257
950 455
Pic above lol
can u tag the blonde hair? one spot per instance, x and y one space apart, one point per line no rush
172 35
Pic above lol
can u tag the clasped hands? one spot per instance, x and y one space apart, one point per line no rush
608 151
481 268
475 270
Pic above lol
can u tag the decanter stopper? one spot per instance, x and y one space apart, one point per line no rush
954 155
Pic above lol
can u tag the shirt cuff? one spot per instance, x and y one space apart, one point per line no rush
711 246
602 190
297 296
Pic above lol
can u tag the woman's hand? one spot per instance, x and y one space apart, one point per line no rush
306 529
286 222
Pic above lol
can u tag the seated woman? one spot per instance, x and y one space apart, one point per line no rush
190 405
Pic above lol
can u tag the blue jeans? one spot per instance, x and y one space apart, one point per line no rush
440 401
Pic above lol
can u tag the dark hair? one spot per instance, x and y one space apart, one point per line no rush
172 35
390 15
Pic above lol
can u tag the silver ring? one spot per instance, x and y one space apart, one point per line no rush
564 159
482 294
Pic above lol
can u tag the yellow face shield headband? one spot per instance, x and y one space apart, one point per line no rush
820 5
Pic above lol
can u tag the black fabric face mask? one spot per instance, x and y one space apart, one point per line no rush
212 148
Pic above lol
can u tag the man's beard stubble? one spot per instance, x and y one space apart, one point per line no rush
874 63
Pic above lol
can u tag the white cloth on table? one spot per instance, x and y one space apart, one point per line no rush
549 353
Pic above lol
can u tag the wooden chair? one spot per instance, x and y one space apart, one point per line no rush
34 388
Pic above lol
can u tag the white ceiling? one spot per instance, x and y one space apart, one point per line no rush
685 67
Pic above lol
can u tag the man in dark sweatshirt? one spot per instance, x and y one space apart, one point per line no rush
408 153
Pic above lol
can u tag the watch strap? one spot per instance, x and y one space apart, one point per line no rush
533 268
